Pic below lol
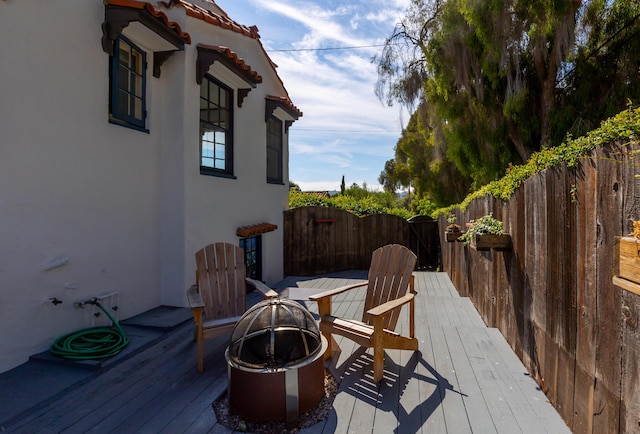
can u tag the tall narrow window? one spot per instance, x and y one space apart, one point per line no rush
127 104
216 128
274 150
252 247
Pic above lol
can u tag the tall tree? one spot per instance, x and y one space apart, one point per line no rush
420 163
604 74
499 74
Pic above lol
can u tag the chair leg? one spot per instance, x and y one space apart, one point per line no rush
200 350
378 364
378 350
331 345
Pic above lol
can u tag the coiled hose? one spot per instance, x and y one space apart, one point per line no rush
91 343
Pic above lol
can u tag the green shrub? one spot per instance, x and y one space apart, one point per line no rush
625 127
299 199
400 212
361 207
423 206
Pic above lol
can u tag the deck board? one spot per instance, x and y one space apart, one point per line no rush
430 410
477 413
465 378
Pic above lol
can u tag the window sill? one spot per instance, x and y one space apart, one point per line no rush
209 172
271 181
115 121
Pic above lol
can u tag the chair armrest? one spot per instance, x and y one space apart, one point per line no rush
336 291
194 298
264 289
385 308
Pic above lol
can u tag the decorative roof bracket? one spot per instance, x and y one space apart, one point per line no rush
287 124
272 103
159 57
242 94
117 18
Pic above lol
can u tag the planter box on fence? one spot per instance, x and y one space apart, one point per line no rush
627 267
452 236
487 242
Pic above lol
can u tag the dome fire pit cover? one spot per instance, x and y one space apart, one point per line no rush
274 334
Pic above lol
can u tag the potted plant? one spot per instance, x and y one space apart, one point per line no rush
486 233
452 232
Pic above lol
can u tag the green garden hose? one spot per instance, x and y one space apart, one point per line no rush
91 343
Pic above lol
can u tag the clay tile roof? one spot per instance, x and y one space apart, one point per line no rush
287 103
222 20
134 4
210 17
237 61
253 230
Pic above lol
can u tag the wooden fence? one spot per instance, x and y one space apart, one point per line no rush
552 295
321 240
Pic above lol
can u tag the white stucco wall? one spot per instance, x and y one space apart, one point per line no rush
124 210
216 207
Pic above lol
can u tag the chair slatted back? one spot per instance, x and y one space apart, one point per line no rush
220 277
389 277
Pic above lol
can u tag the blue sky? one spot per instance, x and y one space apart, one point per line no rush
345 129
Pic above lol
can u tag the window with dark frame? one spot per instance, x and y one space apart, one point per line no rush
127 102
274 150
216 128
252 247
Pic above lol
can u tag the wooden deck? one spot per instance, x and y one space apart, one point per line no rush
464 379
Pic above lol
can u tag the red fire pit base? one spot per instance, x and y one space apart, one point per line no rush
281 394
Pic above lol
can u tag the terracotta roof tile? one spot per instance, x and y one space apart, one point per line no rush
210 17
237 61
222 20
134 4
287 103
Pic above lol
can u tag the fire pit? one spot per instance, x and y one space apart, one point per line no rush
276 368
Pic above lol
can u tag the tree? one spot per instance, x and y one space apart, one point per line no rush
294 186
357 192
604 74
419 162
342 186
503 78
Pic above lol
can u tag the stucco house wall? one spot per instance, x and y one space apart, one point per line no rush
88 207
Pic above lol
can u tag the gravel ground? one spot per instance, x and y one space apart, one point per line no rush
310 418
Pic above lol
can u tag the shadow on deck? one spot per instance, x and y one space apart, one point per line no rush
465 378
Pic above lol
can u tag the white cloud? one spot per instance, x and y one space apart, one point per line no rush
319 185
322 23
345 129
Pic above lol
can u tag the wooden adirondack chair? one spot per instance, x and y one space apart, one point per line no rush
390 276
220 291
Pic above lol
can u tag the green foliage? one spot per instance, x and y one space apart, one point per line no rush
424 206
484 225
421 164
499 80
357 200
624 127
294 186
400 212
358 206
298 199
